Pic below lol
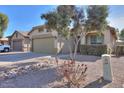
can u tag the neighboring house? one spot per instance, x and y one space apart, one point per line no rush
4 41
46 41
9 41
19 41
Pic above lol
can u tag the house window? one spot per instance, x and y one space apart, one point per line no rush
97 39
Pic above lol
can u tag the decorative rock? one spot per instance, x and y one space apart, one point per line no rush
11 75
5 75
13 72
38 66
27 67
2 75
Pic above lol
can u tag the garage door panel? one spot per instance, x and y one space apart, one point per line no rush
17 45
44 45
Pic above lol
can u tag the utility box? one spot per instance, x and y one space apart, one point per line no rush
107 70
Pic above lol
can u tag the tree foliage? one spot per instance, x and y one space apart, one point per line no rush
3 23
66 16
122 33
59 20
78 21
96 17
66 9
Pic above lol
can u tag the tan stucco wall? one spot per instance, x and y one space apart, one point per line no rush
63 48
27 45
83 39
34 32
109 40
19 36
63 45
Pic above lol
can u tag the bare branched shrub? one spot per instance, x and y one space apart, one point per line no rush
73 74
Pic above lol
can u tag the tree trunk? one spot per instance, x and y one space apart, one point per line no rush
76 47
75 50
70 49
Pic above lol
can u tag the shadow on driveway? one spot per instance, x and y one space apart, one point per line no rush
82 58
97 84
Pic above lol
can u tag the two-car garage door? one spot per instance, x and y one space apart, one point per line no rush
44 45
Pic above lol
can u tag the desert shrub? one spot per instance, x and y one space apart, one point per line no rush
73 74
119 50
96 50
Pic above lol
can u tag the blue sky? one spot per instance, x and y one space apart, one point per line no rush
116 16
23 18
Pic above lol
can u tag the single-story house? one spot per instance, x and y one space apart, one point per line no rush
44 41
4 41
19 41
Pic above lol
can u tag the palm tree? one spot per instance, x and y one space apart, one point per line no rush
3 23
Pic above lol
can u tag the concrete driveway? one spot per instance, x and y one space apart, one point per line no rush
13 57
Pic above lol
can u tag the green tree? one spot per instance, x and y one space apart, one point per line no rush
96 17
122 33
3 23
60 20
65 16
78 31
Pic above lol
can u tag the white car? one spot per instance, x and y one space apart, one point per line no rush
4 48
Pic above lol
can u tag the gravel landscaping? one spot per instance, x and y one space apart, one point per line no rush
39 73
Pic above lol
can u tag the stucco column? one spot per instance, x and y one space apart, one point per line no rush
83 40
11 45
32 45
55 43
23 47
107 37
107 70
